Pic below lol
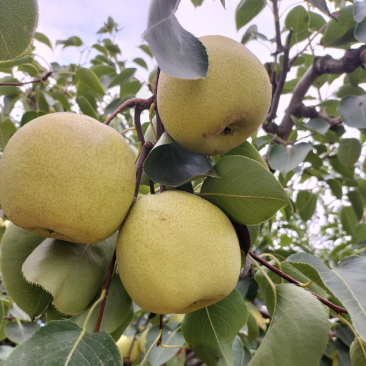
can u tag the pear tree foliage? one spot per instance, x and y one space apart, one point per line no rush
295 191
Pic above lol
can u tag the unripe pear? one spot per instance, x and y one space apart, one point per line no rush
142 340
67 176
176 318
177 253
124 346
214 115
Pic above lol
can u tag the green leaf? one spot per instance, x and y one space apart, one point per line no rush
86 107
360 31
117 309
141 62
347 172
241 354
357 203
248 10
72 273
349 151
61 343
101 70
335 187
317 125
360 233
292 338
349 219
178 53
359 11
5 352
9 89
357 77
19 20
129 88
306 204
346 282
122 77
361 189
210 331
7 130
17 62
249 151
348 89
238 192
91 80
146 49
358 355
286 159
170 164
70 42
29 116
340 31
40 37
101 49
18 332
297 19
171 336
321 5
17 244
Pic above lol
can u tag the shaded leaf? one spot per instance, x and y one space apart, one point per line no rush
321 5
360 31
358 353
349 219
7 130
73 273
347 172
335 187
210 331
241 354
345 282
141 62
62 342
178 52
70 42
170 164
349 151
17 244
86 107
117 309
306 204
317 125
238 193
357 203
359 11
18 332
293 339
286 159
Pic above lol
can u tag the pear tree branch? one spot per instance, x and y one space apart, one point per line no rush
352 59
106 287
336 308
41 80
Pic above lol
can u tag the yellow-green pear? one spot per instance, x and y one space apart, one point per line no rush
176 318
177 253
142 340
214 115
124 346
67 176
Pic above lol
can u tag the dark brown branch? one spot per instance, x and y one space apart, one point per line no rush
134 102
137 120
41 80
146 148
106 286
160 341
279 88
336 308
152 188
277 27
352 59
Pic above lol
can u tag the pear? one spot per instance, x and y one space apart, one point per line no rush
214 115
176 318
124 346
177 253
142 340
67 176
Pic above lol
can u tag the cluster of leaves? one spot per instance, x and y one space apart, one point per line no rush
47 282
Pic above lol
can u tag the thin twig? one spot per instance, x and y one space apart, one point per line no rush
146 148
41 80
336 308
106 286
277 27
160 341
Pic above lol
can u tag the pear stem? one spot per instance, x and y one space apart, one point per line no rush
105 288
336 308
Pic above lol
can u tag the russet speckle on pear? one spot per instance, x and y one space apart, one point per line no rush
214 115
67 176
177 253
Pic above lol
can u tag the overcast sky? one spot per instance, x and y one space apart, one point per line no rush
83 18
